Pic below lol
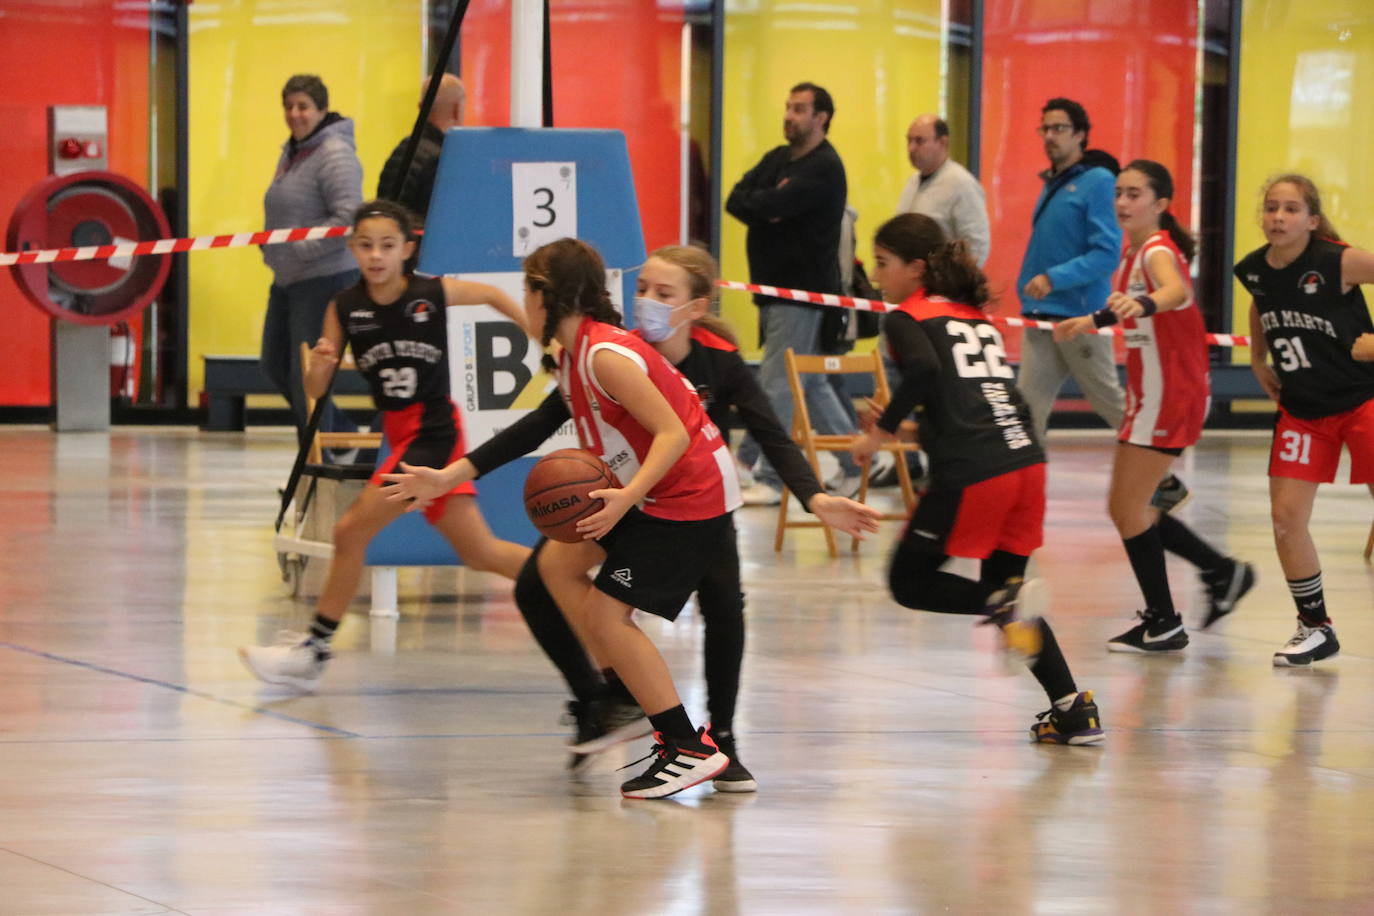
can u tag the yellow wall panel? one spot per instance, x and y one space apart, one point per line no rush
1306 77
880 60
241 52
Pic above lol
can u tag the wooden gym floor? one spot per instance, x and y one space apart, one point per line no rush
142 770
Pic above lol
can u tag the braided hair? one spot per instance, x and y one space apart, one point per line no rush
572 278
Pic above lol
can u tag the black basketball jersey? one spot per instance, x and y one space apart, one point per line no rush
973 422
1310 326
401 348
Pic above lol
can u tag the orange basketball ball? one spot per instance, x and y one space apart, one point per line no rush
556 491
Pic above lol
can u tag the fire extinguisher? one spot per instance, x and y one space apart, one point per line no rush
123 382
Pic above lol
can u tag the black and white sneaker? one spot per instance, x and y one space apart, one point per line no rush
614 723
1170 494
1154 633
1225 587
735 777
1308 645
676 767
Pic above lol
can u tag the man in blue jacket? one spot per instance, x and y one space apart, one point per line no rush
1074 248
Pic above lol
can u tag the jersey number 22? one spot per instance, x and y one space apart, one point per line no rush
979 352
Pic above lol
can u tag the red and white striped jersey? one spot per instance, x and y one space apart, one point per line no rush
1167 382
702 484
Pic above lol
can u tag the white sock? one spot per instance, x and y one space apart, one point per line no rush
1063 703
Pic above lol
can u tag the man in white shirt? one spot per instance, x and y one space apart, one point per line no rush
943 189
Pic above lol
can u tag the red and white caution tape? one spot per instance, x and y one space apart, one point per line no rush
874 305
171 246
277 236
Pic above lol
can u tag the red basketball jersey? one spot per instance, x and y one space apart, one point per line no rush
1167 382
702 483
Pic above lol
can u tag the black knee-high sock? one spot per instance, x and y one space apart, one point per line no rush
551 630
1146 553
721 601
616 689
1179 539
1001 566
1050 668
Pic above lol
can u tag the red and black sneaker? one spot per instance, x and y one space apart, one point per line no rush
676 766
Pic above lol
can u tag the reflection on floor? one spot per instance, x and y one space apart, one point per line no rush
143 771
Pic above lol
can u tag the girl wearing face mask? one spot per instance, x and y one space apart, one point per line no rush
1167 392
673 312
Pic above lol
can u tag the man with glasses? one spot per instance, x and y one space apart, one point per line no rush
943 189
1067 270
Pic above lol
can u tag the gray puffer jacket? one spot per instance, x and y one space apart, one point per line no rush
319 183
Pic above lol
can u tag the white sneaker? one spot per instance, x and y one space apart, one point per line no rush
1307 645
290 663
761 494
675 768
844 485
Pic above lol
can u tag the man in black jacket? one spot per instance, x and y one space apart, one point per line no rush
450 103
793 202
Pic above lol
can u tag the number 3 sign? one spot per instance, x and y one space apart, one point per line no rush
544 203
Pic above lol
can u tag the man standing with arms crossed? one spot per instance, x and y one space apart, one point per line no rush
793 202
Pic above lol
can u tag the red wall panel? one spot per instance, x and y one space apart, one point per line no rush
616 64
1131 65
81 52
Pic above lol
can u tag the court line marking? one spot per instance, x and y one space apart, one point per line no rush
75 874
180 688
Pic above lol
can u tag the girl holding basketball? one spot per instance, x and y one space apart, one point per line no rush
1308 311
676 289
395 324
1167 393
654 536
966 546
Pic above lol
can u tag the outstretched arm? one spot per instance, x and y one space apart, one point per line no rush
468 292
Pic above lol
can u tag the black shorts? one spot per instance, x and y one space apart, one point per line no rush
655 564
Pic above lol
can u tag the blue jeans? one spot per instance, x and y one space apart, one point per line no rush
798 327
295 315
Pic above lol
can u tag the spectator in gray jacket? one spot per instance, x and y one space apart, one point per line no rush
318 182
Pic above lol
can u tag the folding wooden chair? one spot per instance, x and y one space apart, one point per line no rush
813 443
1369 544
324 440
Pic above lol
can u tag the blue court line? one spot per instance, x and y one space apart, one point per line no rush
180 688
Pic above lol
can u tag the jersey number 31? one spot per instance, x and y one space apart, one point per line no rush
979 352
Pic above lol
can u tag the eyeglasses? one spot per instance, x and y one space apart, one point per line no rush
1045 130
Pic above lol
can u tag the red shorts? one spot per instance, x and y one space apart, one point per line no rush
1311 449
1006 512
439 446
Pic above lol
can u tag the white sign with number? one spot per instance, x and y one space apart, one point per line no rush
543 203
495 376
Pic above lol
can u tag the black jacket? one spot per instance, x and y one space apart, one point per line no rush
794 230
419 182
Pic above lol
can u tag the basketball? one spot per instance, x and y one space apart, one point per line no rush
556 492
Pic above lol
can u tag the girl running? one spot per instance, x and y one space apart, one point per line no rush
966 546
656 535
1167 394
396 325
676 288
1308 311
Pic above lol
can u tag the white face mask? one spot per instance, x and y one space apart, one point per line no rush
653 318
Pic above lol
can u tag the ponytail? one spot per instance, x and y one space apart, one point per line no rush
1162 184
572 277
952 272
